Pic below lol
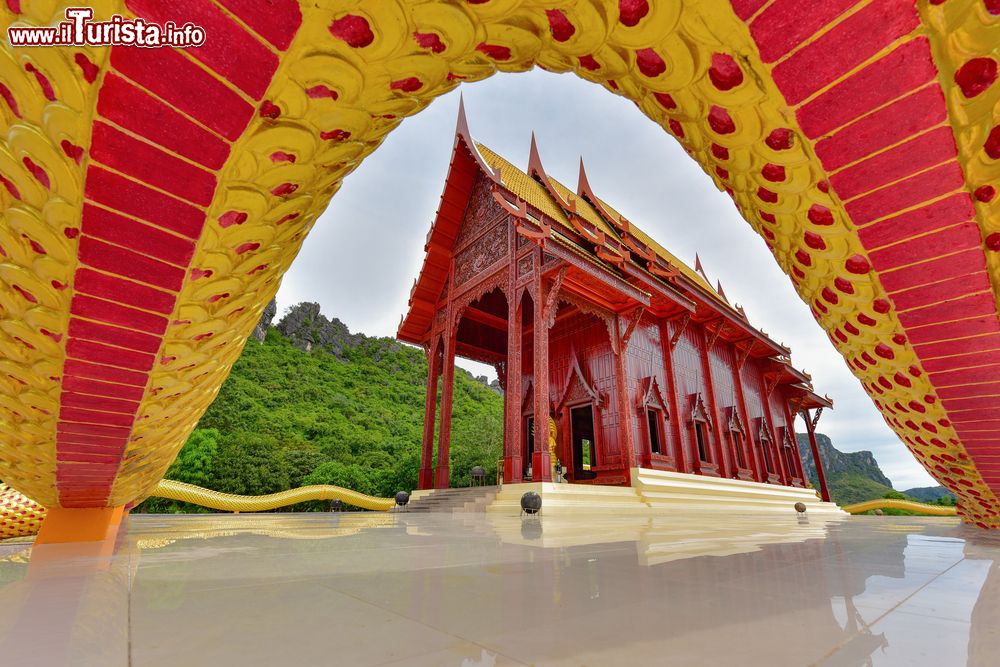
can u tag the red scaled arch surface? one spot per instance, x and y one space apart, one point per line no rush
153 197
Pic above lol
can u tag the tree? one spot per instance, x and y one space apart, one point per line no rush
284 415
250 464
350 476
301 462
193 464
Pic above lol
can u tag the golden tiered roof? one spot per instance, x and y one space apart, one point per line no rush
536 195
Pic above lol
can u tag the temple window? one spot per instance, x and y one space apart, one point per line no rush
701 425
791 450
702 440
654 419
764 436
653 407
736 431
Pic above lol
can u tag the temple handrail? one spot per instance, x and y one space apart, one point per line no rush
892 503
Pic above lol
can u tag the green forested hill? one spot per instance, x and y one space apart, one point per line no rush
286 417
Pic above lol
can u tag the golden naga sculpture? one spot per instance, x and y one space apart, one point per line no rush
153 198
20 516
890 503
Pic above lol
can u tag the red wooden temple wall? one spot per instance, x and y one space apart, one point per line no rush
671 364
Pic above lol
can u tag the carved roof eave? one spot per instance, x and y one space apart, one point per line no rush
409 331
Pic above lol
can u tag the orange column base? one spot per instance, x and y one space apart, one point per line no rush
97 524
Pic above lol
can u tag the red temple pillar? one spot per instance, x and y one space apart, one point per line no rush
426 480
794 458
676 417
814 446
541 461
721 448
442 479
741 407
512 393
625 439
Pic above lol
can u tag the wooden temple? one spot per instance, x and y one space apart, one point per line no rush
633 356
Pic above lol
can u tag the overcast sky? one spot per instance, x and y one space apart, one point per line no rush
362 256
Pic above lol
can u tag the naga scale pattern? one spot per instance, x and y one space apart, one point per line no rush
153 198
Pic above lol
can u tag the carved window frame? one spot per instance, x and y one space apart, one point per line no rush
737 434
765 440
590 396
577 376
701 419
651 398
790 447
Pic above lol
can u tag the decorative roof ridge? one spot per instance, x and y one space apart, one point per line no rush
536 170
584 190
462 132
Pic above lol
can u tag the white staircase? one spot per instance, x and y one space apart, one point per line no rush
666 491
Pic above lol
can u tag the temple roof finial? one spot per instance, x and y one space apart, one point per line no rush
534 159
721 292
582 184
462 126
700 269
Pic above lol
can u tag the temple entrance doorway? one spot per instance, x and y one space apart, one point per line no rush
582 435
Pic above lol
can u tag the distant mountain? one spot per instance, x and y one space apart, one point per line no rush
852 477
836 462
928 494
855 477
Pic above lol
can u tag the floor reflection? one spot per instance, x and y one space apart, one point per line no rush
464 590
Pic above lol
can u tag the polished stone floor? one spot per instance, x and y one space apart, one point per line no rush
483 590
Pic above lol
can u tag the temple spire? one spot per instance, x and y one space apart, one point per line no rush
721 292
462 126
700 269
462 130
534 159
582 184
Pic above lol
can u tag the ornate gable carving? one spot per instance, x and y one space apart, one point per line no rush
483 253
788 441
480 213
650 395
496 281
699 413
764 434
524 266
577 388
735 424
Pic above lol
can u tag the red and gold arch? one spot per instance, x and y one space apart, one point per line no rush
152 198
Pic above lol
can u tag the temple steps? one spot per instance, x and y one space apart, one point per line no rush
656 492
671 491
653 493
468 499
571 498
